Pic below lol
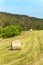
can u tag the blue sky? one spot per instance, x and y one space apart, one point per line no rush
27 7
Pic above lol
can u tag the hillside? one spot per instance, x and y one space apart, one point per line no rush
24 21
30 54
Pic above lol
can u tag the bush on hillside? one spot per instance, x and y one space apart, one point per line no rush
10 31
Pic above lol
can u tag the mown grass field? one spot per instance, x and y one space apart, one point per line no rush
30 54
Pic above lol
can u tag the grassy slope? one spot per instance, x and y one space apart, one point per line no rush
31 53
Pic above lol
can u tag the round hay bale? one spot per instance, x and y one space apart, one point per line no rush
16 45
31 30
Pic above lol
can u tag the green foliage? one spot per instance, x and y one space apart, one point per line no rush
7 23
10 31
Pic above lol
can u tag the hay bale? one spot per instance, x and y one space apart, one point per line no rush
16 45
31 30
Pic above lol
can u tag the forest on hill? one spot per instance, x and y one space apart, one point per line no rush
13 24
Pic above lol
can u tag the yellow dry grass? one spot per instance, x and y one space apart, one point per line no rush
30 54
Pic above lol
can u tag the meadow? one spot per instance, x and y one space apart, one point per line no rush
31 52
